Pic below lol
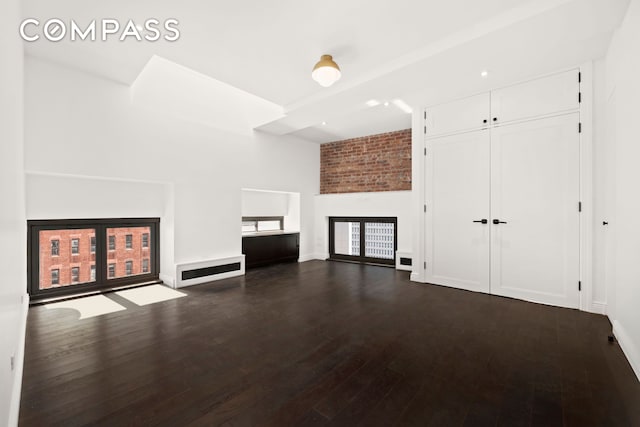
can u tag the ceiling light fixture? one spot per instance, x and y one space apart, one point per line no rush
326 72
484 74
324 123
386 103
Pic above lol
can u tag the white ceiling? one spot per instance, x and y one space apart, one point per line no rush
421 51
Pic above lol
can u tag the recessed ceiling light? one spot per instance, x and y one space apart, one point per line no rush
372 103
386 103
484 74
403 106
324 123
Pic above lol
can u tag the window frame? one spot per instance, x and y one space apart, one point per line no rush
75 249
258 219
128 267
362 258
102 282
57 246
128 241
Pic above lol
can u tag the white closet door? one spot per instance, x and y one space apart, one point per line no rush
549 95
462 115
535 191
458 178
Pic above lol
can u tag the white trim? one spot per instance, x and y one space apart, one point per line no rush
14 406
321 256
626 344
418 145
168 280
598 308
586 188
307 257
209 263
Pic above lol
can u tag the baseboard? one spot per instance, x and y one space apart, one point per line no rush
320 256
415 277
168 280
305 258
14 409
598 308
628 347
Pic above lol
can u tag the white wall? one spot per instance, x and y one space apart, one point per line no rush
273 203
623 84
82 125
12 213
387 203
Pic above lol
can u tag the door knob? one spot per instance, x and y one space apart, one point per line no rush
497 221
605 223
483 221
484 121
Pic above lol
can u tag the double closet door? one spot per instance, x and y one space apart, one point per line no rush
502 213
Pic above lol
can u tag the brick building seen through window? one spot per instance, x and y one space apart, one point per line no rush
68 256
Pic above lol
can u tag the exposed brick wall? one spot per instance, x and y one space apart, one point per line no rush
371 163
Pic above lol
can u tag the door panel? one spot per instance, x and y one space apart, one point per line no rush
535 190
458 116
549 95
457 248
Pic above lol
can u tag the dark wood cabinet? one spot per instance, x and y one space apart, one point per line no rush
270 248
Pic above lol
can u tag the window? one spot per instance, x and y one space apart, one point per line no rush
55 247
145 240
75 246
370 240
129 235
83 252
262 223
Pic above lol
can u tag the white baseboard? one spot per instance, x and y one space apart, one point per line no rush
628 347
598 308
14 408
308 257
415 277
168 280
321 256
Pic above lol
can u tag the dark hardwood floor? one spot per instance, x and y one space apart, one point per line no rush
326 343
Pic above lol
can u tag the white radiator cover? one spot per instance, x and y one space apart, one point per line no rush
180 268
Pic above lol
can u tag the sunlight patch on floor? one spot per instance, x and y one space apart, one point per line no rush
150 294
89 306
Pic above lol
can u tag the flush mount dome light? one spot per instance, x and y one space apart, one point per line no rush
326 72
